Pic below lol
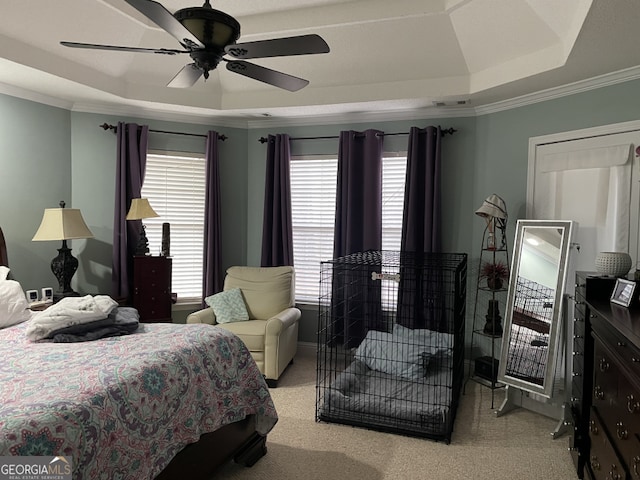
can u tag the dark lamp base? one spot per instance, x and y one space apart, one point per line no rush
64 266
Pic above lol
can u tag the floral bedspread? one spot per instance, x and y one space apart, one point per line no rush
122 407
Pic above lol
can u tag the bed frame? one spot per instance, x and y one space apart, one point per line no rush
238 441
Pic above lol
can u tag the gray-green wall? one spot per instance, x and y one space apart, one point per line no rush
48 154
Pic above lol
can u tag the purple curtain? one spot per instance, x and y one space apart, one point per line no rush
421 222
131 162
212 255
358 224
277 229
421 302
356 306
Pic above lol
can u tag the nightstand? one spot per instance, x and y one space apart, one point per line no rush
152 288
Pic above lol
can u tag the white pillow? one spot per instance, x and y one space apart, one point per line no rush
4 272
14 307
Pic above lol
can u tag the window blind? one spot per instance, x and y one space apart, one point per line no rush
313 204
175 187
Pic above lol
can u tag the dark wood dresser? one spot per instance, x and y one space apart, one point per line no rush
152 288
589 286
614 417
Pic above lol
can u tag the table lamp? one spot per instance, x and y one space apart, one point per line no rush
141 209
63 224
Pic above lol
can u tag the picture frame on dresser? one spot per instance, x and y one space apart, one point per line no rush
623 292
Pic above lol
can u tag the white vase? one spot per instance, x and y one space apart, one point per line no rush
613 264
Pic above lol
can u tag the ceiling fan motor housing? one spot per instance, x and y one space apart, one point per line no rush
215 29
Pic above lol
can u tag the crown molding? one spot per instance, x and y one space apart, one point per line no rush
151 113
363 117
32 96
159 115
601 81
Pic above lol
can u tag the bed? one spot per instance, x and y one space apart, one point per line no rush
167 401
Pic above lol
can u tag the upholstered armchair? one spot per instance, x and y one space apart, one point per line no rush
269 326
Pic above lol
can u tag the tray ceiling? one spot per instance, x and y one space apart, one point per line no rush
385 56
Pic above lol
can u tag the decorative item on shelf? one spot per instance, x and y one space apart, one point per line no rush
613 264
166 240
63 224
139 210
623 292
493 325
494 211
496 274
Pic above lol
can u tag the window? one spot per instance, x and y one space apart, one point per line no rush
313 204
174 183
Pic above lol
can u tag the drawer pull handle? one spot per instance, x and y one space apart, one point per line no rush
598 393
575 374
636 463
593 428
621 344
579 303
578 336
595 464
604 365
577 354
621 432
635 360
613 474
632 405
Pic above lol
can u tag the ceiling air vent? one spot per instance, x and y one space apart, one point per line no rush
450 103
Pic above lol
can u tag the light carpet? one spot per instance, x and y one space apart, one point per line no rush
517 445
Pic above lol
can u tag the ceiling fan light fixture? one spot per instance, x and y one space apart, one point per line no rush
215 29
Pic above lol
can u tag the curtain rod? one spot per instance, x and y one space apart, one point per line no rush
106 126
448 131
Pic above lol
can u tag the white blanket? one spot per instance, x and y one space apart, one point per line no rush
68 312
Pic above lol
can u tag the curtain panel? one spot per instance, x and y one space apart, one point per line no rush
212 254
356 306
277 224
421 295
132 140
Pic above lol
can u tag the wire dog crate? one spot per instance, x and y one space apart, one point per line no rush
391 341
531 325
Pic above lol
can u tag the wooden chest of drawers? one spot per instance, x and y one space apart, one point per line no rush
152 288
593 287
615 413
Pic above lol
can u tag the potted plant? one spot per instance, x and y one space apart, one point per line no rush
495 273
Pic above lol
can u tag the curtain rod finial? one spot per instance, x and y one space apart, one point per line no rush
105 126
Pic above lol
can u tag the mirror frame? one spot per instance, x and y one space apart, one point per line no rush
546 389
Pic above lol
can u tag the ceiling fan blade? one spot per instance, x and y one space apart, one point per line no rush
163 51
279 47
187 77
266 75
165 20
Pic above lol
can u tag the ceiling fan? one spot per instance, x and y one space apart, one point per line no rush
207 35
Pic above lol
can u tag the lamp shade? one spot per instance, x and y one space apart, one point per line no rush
62 224
140 208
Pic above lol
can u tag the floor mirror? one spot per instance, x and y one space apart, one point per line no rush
533 340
